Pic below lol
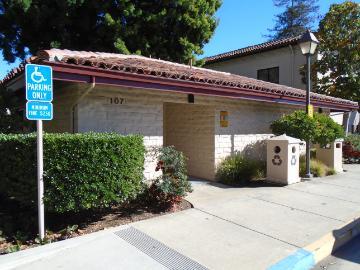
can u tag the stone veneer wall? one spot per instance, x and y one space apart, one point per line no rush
142 113
249 127
137 115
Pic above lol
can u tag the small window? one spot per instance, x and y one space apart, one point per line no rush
269 74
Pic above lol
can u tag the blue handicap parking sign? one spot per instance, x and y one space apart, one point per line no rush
38 82
38 110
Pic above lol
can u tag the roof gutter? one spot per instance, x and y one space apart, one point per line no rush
86 74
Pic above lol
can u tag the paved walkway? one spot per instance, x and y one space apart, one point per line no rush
228 228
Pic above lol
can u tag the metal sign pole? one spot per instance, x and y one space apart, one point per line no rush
40 180
39 94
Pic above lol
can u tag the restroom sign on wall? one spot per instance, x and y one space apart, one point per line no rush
224 119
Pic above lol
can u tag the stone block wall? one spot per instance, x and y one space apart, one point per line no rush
248 128
190 128
130 115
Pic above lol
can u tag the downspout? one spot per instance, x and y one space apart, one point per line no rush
75 104
347 123
292 62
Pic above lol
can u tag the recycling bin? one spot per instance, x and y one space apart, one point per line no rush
282 164
331 154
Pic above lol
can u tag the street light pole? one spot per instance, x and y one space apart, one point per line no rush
308 89
308 43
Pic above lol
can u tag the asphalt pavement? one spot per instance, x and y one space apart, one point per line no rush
346 258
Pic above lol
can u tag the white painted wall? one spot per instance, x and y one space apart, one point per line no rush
288 59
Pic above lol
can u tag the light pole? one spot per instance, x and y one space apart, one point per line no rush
308 43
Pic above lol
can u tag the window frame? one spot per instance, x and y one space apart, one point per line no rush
267 70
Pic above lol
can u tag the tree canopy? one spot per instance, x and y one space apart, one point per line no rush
298 16
339 48
173 30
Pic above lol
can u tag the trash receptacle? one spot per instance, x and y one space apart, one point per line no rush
282 164
331 155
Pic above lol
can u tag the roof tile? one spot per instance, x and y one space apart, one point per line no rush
270 45
159 68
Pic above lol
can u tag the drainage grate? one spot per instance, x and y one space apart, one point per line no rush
166 256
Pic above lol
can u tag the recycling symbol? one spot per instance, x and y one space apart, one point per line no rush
277 160
293 160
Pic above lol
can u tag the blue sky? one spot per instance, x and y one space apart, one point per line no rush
241 23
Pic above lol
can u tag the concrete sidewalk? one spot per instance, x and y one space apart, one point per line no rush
228 228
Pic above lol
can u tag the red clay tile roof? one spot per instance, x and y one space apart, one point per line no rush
150 67
266 46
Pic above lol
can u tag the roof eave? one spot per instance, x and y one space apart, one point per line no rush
256 51
86 74
75 73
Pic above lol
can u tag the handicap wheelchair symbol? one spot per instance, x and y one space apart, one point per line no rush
37 76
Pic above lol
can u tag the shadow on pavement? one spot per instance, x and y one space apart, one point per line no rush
347 249
252 184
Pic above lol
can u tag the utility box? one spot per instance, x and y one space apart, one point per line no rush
283 160
331 155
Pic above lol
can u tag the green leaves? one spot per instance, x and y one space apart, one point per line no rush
339 65
146 27
173 183
82 171
239 170
319 129
297 17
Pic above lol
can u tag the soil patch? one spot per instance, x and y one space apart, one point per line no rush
18 226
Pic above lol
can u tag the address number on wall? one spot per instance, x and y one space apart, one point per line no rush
116 100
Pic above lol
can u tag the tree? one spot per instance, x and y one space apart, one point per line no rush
297 17
10 120
339 48
167 29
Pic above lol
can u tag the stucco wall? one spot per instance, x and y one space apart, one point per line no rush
289 64
64 97
190 128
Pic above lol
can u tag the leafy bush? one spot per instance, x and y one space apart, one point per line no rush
317 168
81 171
319 129
173 184
297 124
354 141
327 129
239 170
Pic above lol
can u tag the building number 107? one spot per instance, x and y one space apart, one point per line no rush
116 100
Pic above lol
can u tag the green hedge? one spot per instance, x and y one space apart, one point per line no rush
81 171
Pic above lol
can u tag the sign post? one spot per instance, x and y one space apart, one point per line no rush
39 94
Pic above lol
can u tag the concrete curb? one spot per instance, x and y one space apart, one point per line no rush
13 260
307 257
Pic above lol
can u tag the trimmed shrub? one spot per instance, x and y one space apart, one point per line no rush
319 129
169 188
81 171
317 168
239 170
